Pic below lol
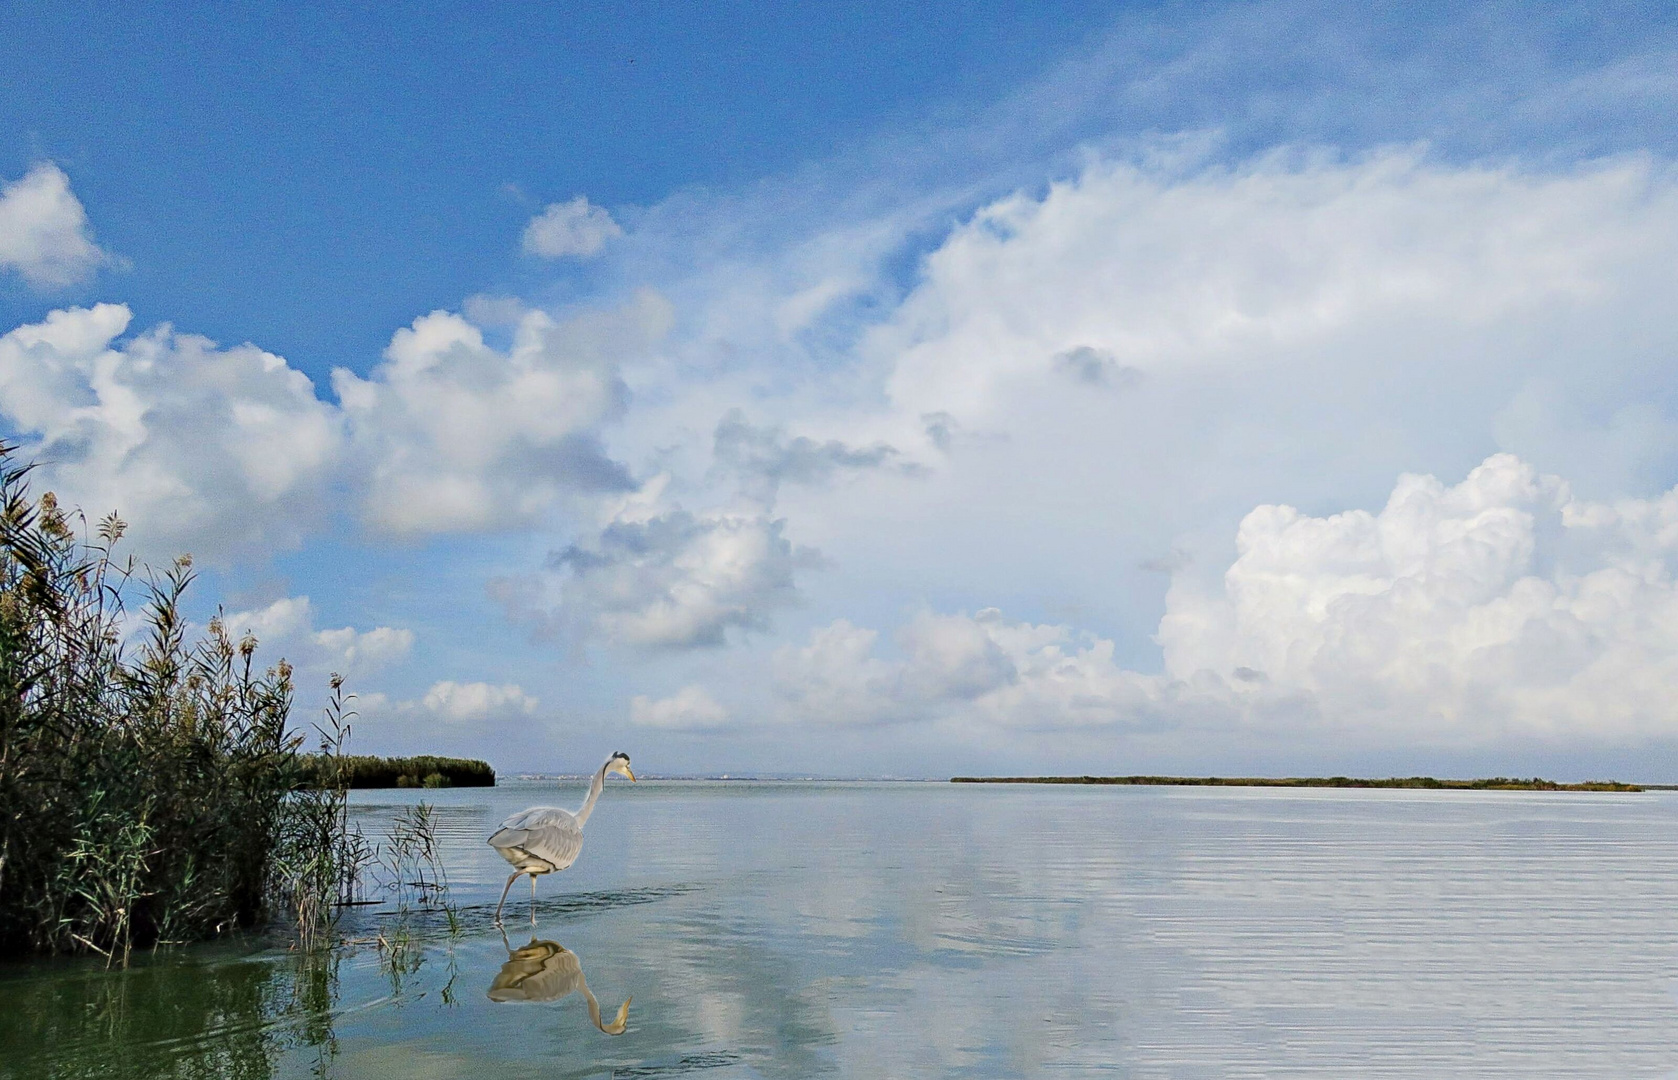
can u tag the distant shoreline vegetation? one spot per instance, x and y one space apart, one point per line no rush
425 771
1422 783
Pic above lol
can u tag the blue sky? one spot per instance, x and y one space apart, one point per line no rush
889 391
382 162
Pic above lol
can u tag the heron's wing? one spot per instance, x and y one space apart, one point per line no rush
548 833
538 816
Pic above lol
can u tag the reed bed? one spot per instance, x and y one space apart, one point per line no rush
425 771
147 781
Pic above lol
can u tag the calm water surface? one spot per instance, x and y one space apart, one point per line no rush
898 930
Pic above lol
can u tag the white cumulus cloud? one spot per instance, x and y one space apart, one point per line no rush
44 234
1501 605
451 434
1129 270
658 574
690 708
575 228
475 701
286 628
449 717
226 452
199 448
675 579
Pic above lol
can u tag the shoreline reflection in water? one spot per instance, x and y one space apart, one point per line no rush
548 971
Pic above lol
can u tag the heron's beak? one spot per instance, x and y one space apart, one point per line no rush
631 776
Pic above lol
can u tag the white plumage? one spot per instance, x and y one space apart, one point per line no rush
544 839
540 840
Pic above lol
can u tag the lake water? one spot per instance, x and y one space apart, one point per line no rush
901 930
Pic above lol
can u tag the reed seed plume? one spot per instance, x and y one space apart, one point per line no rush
148 782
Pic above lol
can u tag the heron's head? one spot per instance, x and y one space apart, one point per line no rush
620 765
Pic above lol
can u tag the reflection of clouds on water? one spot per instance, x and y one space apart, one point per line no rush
863 931
938 924
870 931
548 971
892 930
726 985
788 931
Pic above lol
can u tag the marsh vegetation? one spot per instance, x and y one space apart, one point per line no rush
425 771
149 776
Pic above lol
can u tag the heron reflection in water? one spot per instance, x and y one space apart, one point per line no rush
548 971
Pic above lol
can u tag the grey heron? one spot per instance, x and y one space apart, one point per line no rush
548 971
543 839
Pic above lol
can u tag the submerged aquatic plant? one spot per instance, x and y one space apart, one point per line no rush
411 861
411 872
146 781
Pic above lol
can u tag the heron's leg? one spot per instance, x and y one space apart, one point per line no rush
532 899
504 893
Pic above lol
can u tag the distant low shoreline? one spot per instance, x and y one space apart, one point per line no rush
1420 783
424 771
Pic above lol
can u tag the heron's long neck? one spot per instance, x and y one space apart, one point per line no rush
594 790
616 1026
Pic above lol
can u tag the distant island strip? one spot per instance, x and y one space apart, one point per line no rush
364 771
1495 783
